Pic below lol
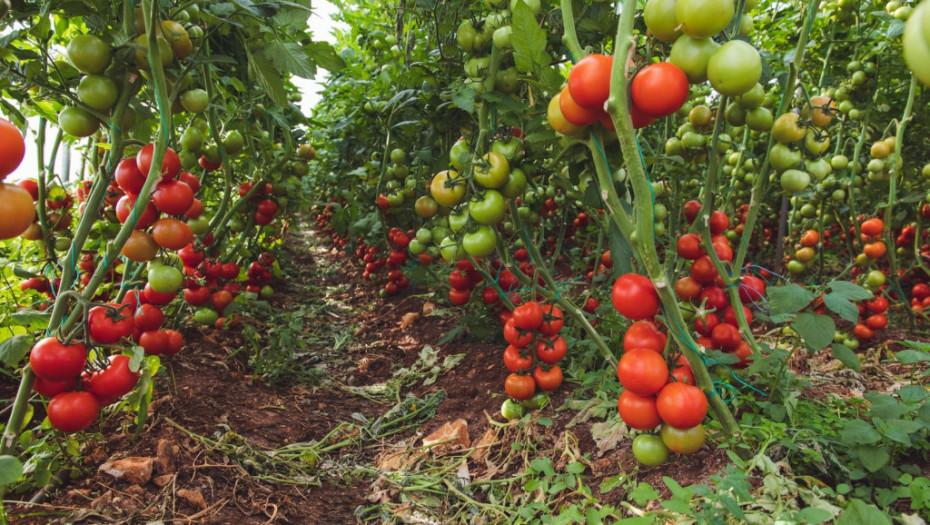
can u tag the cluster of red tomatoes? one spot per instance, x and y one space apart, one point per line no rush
872 318
266 208
656 394
211 285
920 297
174 196
463 280
395 259
534 349
657 90
872 245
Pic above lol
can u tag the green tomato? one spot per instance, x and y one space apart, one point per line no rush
759 119
398 156
88 53
165 279
874 280
796 267
660 19
752 98
459 153
78 123
475 67
782 157
451 250
200 225
683 441
649 450
487 210
735 68
205 316
395 200
424 236
439 233
212 153
839 162
512 149
916 43
481 242
457 221
234 142
236 225
492 171
507 81
267 292
192 139
195 100
416 247
98 92
538 401
692 56
501 37
795 181
516 184
704 18
511 409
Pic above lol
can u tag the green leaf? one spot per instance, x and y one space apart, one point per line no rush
545 421
913 393
643 494
873 458
789 299
463 97
543 466
610 484
861 513
816 330
32 318
845 355
10 470
268 78
910 357
529 40
14 349
620 252
814 515
290 57
841 306
859 432
850 290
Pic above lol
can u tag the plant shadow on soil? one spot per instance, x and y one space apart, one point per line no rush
210 392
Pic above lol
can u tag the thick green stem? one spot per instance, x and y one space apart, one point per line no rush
642 238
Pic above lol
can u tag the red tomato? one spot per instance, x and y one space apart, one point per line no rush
877 305
638 412
520 387
516 362
154 342
173 197
725 337
553 320
574 113
644 334
659 89
515 336
128 176
148 317
459 281
703 270
197 296
642 371
706 325
719 222
635 297
547 380
175 342
550 349
715 298
53 361
459 297
691 209
52 388
729 315
73 411
876 321
751 289
170 167
157 298
689 246
687 288
682 372
589 81
12 148
872 227
681 405
528 316
115 381
108 324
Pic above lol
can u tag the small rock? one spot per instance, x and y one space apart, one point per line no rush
165 457
452 435
483 446
194 497
136 470
163 480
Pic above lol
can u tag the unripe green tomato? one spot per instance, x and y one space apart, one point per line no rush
649 450
424 235
200 225
796 267
416 247
511 409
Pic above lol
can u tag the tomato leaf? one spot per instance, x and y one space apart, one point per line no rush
290 57
268 78
859 512
10 470
816 330
845 355
608 434
849 290
463 96
32 318
859 432
14 349
788 299
841 306
620 252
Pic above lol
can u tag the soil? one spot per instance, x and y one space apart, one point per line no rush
213 419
